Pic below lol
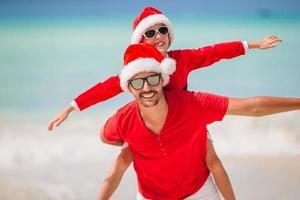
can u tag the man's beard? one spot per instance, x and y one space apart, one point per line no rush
149 102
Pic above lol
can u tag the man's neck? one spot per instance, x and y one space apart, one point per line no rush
154 117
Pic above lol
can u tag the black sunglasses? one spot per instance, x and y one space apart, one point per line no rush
163 30
152 80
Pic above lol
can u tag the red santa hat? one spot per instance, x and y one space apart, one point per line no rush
149 17
145 58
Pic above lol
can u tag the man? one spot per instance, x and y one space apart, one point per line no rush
167 130
151 26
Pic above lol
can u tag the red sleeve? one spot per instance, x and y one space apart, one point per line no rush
99 92
212 107
111 131
205 56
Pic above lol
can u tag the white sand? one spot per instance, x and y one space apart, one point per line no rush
259 178
265 177
253 178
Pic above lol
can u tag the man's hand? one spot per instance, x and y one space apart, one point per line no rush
268 42
60 118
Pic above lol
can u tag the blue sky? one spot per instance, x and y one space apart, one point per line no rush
98 7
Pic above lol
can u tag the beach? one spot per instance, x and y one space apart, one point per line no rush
71 162
264 177
253 177
46 61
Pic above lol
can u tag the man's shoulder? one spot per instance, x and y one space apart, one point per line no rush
181 92
185 95
126 111
180 95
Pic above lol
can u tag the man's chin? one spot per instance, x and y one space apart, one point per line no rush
149 104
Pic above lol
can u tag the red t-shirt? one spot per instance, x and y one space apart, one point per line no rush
186 61
170 165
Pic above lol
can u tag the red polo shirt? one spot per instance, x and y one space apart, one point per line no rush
170 165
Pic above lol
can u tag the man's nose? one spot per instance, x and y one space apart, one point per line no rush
146 87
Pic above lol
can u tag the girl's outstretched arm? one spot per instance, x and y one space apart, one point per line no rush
98 93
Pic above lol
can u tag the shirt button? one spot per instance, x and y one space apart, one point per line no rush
165 154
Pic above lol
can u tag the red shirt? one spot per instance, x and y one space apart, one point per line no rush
170 165
186 61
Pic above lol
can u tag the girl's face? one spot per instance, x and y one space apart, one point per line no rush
160 40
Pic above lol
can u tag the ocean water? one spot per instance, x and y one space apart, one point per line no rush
47 61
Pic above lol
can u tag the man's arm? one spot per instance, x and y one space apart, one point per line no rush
219 173
261 106
105 141
115 175
109 135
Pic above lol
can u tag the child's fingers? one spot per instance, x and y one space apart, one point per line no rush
50 126
272 45
275 40
278 40
274 37
271 36
59 122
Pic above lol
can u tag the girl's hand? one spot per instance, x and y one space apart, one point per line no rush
60 118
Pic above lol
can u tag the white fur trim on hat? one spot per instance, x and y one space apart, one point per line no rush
166 68
151 20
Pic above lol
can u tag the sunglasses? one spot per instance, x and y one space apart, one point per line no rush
163 30
152 80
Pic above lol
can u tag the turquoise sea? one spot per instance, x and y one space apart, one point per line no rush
46 61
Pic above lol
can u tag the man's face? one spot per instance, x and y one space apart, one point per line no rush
160 41
148 94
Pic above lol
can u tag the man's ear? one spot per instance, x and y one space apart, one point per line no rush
129 88
161 81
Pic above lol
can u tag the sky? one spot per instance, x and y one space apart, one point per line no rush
99 7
